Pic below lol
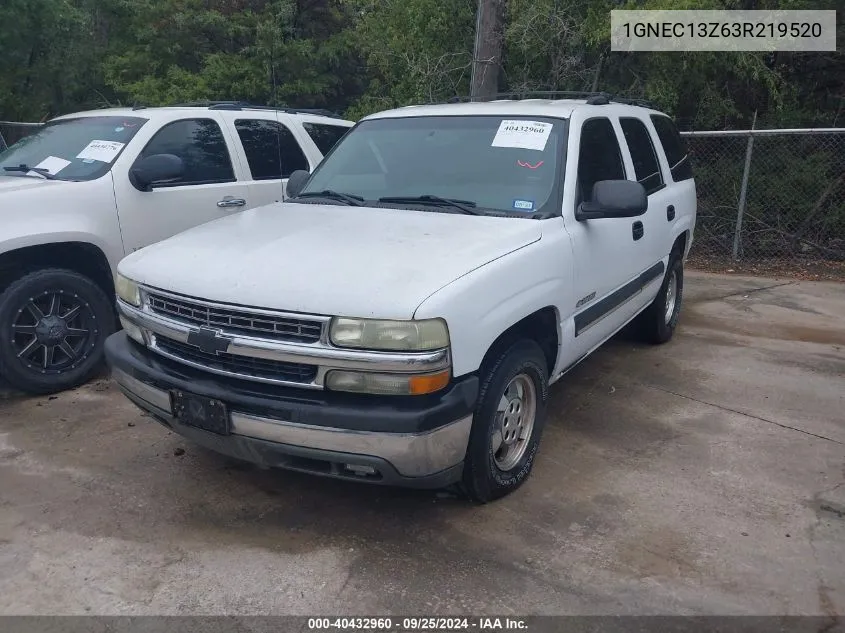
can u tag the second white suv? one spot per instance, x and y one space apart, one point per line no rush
88 188
399 320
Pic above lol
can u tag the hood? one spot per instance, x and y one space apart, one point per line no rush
328 259
8 184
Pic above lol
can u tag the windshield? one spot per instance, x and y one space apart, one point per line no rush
83 148
501 164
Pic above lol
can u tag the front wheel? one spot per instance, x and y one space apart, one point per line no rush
53 324
508 423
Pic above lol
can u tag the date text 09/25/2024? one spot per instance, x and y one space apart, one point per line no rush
386 624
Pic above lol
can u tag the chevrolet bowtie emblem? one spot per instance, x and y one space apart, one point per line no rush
209 341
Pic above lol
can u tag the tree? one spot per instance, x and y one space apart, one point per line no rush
487 59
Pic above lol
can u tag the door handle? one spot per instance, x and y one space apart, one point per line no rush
637 230
670 212
229 202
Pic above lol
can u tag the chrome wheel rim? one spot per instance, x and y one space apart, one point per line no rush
671 297
53 332
514 422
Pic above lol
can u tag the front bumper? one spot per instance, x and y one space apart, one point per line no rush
415 441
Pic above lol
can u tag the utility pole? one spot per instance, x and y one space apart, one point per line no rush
487 53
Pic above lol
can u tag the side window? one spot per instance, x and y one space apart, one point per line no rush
599 157
200 145
646 165
675 147
271 149
325 136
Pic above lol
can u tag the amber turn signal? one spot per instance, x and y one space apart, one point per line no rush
429 383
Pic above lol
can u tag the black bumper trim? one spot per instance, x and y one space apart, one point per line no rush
384 414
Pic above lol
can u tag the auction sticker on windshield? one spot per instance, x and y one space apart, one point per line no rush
53 164
522 134
103 151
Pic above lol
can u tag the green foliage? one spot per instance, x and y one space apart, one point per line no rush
416 51
360 56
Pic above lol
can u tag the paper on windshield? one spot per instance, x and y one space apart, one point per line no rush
103 151
53 164
522 134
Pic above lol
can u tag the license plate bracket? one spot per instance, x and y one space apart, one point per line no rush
200 412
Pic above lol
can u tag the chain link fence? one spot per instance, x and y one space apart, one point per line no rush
13 131
770 201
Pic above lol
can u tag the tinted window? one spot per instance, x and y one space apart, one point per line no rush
646 166
324 136
674 146
502 164
599 157
82 148
271 149
200 145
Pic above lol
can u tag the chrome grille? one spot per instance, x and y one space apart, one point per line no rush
237 322
241 366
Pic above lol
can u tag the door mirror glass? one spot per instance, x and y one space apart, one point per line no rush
614 199
296 182
157 169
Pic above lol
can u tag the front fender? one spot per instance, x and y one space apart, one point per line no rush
481 305
72 212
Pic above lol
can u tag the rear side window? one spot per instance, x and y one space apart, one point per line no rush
325 136
271 149
200 145
675 147
599 157
646 166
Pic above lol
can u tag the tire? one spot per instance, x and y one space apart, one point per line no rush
58 321
490 472
657 323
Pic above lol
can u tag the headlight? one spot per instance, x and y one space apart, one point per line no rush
415 336
127 290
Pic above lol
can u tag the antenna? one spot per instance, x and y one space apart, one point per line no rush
276 108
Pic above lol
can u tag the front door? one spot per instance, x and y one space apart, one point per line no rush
208 190
611 255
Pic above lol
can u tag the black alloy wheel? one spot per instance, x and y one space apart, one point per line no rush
53 324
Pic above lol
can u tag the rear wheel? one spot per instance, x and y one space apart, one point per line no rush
508 423
657 323
53 324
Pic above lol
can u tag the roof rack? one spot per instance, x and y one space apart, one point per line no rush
592 98
243 105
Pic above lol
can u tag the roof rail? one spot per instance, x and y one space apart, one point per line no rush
592 98
243 105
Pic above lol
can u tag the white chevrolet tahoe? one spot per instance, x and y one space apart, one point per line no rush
86 189
400 317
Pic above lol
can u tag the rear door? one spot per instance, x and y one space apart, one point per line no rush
272 152
678 174
324 136
641 150
208 189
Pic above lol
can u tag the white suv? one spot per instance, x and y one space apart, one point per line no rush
400 318
88 188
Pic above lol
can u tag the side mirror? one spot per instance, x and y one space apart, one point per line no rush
296 182
158 169
614 199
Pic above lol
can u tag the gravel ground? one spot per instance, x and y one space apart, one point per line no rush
705 476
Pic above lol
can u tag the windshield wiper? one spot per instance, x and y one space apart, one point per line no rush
25 169
465 206
356 201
